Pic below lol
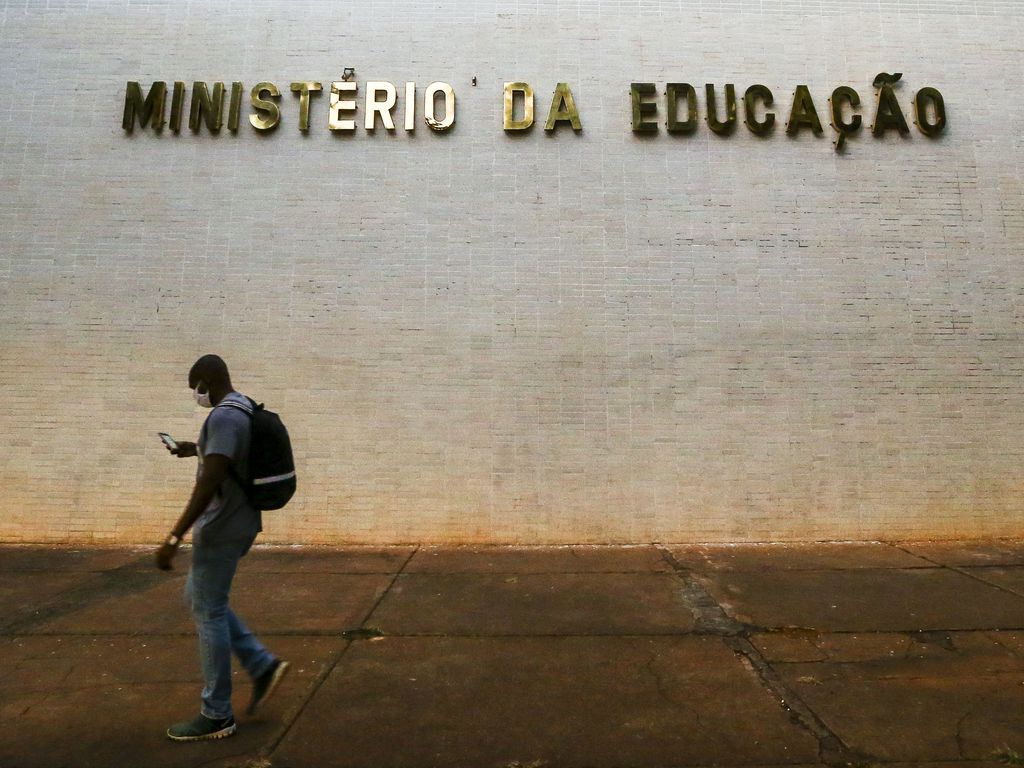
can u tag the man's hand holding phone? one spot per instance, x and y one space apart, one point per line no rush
179 448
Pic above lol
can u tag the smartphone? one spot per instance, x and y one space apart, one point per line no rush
168 441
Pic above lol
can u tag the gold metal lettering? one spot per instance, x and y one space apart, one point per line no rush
235 106
563 109
410 106
719 127
261 105
338 105
921 101
177 105
206 107
843 93
149 110
888 113
643 109
510 123
382 108
429 115
303 89
673 124
803 114
758 127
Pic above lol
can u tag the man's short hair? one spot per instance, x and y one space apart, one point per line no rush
210 368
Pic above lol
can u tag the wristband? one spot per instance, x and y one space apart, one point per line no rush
173 540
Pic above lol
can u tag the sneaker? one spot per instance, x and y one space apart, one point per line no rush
202 727
266 684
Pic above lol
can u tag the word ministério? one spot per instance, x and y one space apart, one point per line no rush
207 105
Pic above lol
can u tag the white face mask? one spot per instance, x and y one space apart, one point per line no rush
202 398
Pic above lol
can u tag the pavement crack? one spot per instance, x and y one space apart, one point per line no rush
708 615
832 749
711 618
659 682
960 735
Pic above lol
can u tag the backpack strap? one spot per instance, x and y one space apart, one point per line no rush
249 409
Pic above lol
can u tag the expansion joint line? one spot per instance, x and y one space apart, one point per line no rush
959 569
711 619
292 717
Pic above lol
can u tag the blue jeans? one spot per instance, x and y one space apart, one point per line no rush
220 630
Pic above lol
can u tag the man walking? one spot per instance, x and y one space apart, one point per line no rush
225 526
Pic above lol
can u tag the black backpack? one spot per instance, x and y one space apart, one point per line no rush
271 481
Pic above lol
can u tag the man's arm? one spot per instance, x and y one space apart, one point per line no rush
215 469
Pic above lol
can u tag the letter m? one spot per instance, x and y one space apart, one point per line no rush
149 109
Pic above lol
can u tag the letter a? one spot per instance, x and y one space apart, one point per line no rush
558 114
803 114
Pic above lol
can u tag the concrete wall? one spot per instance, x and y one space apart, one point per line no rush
537 338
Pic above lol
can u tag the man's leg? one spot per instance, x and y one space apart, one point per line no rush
213 568
206 593
255 658
266 670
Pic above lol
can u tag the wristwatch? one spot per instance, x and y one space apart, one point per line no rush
173 540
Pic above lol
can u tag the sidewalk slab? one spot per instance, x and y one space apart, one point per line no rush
596 657
299 603
158 610
533 604
865 600
82 702
1010 577
51 559
576 559
989 652
566 701
276 559
308 602
26 595
958 700
954 554
797 557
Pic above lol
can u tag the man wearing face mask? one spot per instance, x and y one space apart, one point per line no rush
224 525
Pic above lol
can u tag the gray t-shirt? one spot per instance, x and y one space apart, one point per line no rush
229 516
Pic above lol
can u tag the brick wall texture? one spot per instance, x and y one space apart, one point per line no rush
537 338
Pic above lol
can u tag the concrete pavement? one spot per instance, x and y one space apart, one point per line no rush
896 654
